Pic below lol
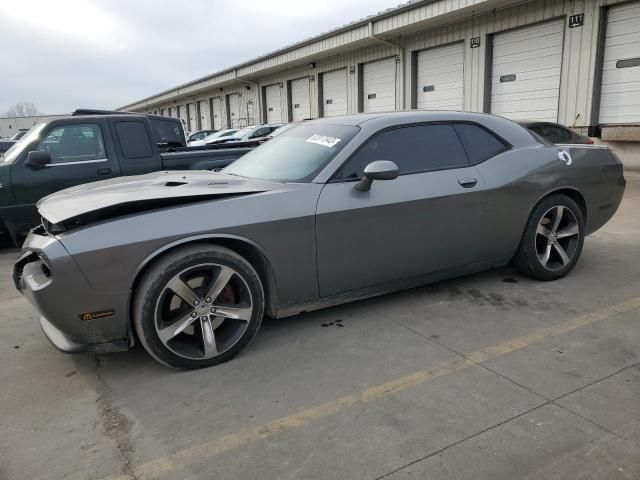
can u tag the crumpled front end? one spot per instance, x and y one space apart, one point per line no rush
73 316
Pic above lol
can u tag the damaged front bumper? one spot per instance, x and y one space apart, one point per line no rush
73 316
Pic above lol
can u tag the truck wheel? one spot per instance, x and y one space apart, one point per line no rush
552 240
5 237
198 306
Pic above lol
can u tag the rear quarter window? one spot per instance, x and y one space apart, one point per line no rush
134 140
479 144
167 132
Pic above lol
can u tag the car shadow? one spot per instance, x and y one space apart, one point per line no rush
272 332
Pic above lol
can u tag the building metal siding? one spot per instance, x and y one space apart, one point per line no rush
440 25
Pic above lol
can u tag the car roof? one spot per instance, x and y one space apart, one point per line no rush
369 123
407 116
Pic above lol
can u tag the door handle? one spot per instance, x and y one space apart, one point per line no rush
468 182
104 171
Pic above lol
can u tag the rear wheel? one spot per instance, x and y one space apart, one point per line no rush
552 240
198 306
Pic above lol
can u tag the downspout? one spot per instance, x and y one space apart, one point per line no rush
401 55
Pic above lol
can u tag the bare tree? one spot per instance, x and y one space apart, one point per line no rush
23 109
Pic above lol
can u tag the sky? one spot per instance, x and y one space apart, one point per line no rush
69 54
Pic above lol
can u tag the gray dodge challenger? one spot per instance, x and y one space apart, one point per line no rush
331 211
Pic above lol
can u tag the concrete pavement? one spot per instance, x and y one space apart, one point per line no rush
488 376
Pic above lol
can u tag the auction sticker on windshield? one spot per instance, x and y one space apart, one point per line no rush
323 140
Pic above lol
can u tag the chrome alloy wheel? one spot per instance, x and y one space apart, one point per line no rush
203 311
557 237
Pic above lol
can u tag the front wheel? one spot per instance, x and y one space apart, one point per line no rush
552 240
198 306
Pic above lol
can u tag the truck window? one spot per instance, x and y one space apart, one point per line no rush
74 143
134 139
167 132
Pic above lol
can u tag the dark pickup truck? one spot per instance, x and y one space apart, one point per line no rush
79 149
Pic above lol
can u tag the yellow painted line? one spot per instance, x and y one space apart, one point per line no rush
189 455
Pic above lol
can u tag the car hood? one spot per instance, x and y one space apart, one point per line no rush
145 192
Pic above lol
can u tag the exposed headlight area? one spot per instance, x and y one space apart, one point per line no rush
33 267
48 228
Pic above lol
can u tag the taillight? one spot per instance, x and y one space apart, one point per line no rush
589 141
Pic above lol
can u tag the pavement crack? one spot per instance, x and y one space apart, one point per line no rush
462 440
547 401
461 354
585 418
116 425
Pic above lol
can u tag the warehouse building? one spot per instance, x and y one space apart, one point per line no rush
9 126
576 62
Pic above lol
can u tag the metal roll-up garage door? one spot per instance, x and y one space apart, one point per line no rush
205 115
216 113
273 103
300 99
233 110
334 93
620 93
440 78
191 117
379 86
525 76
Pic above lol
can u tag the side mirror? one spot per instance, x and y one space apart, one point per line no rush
378 170
38 159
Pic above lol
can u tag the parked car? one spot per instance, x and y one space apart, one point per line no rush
209 138
331 211
19 134
556 133
84 148
280 130
7 143
199 135
246 134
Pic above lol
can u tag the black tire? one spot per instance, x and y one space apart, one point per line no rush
531 254
154 283
5 238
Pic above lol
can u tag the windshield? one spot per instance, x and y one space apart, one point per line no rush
243 131
19 135
17 148
296 155
218 134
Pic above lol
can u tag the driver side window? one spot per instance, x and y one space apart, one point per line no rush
74 143
261 132
415 149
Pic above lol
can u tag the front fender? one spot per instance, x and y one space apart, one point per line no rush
245 247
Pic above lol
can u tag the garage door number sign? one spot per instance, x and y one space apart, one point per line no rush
576 20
